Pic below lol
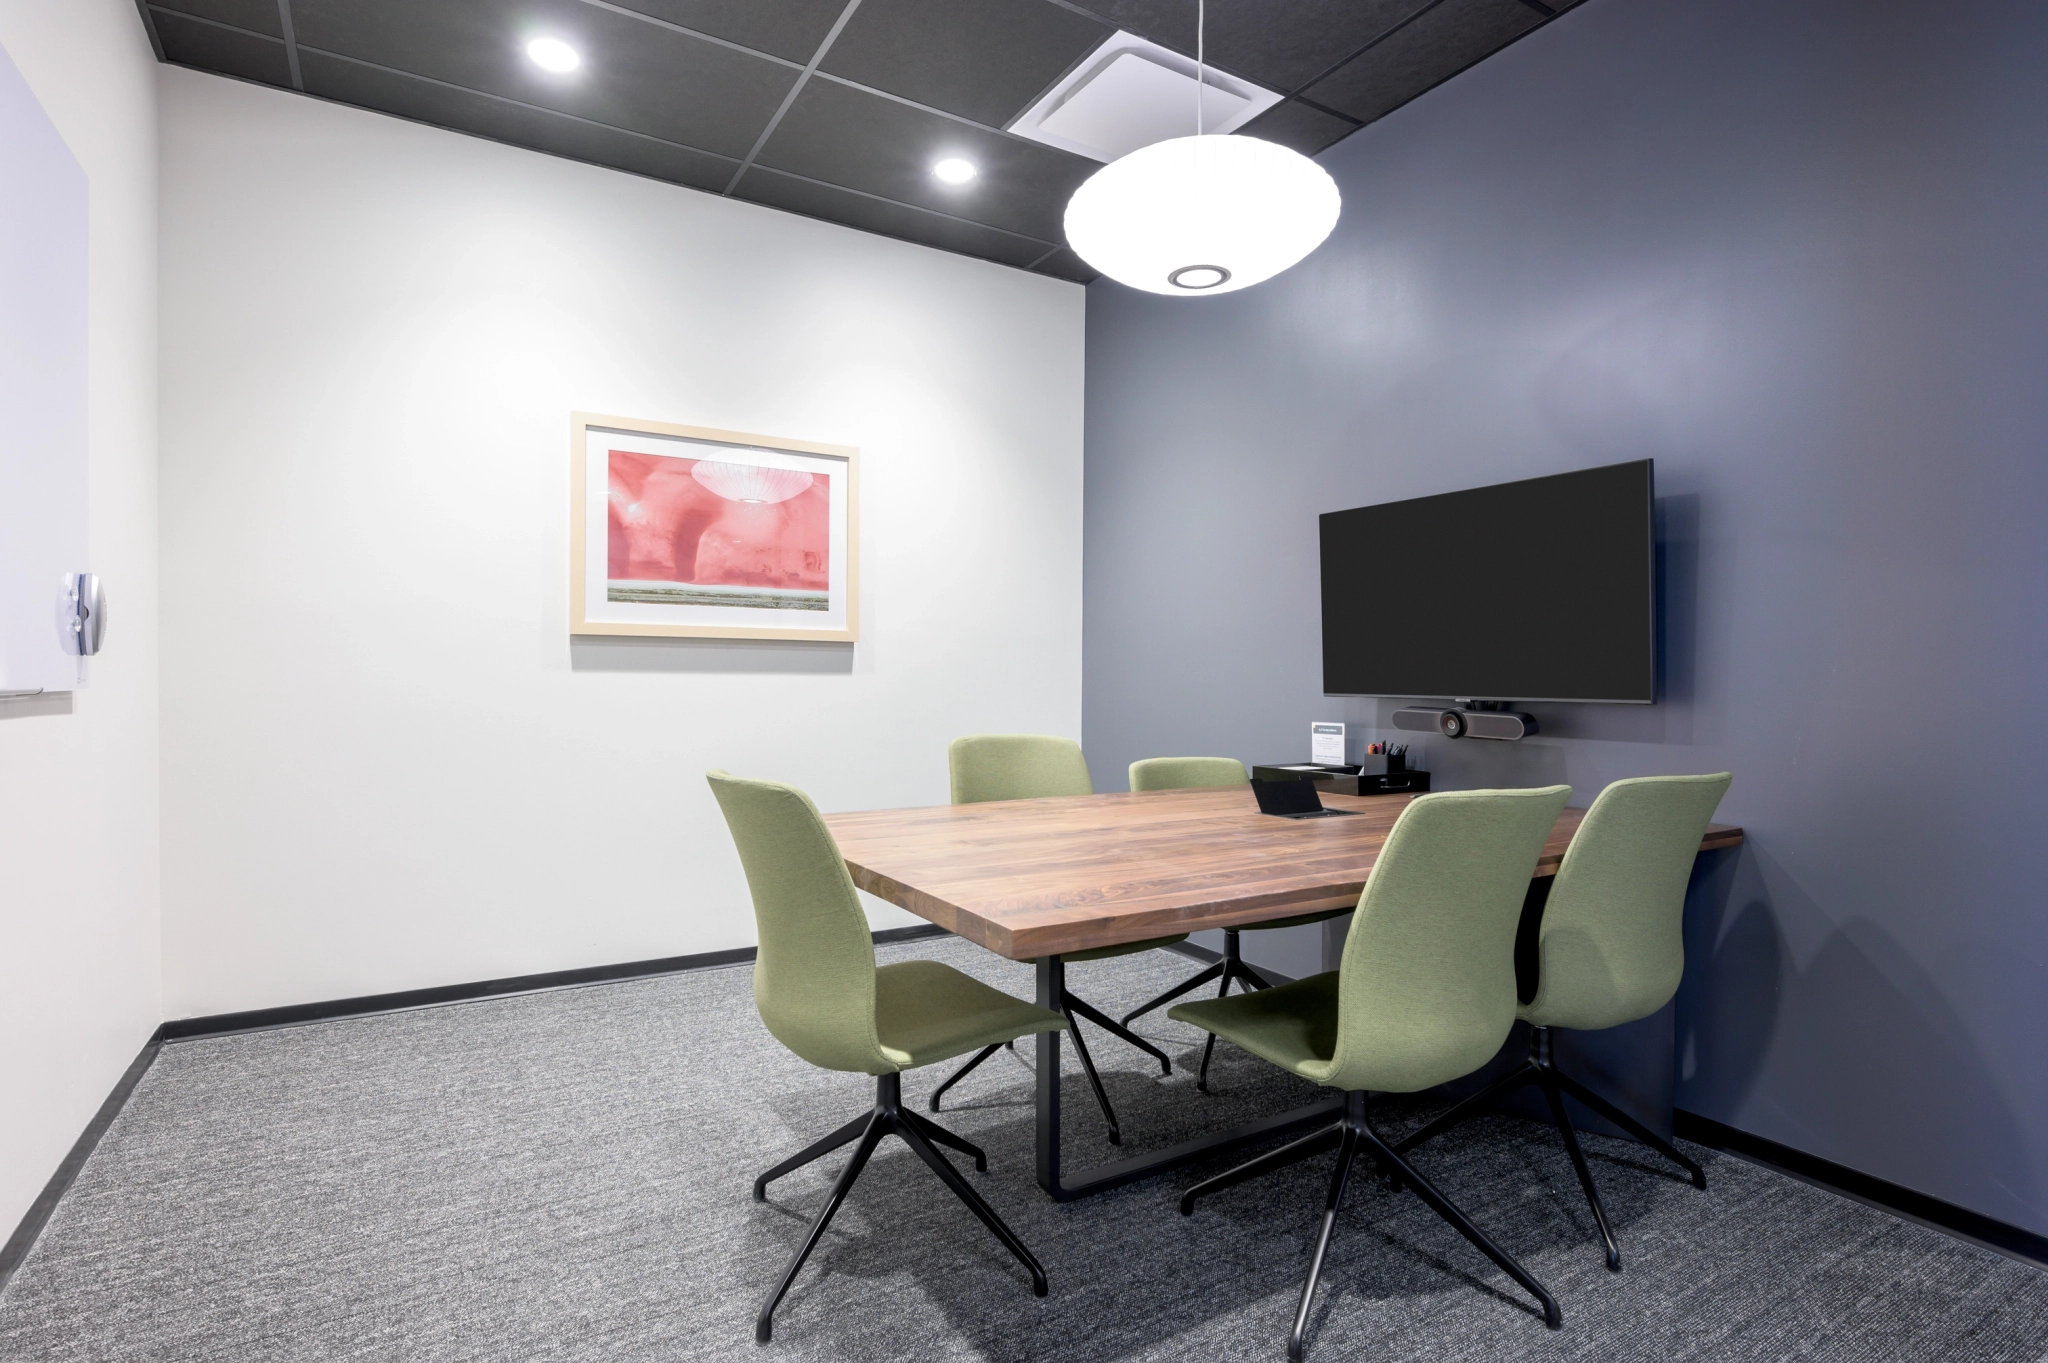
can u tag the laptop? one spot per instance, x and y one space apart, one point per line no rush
1291 799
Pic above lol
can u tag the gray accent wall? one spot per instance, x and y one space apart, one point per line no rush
1797 254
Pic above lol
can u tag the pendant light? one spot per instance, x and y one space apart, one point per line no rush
1204 214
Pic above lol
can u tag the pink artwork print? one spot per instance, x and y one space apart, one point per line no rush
704 532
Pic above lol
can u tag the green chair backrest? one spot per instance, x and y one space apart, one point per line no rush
1016 767
814 980
1427 992
1612 947
1185 773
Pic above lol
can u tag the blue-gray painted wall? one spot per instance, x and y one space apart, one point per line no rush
1797 253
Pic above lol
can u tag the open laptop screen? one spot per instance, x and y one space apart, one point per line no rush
1291 799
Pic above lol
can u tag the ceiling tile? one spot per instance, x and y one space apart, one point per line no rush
982 59
863 141
814 200
465 111
228 51
1064 264
1280 46
635 75
256 16
1435 47
787 28
1294 124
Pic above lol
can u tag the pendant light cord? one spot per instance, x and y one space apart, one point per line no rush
1201 28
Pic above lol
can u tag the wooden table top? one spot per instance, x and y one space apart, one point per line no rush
1028 878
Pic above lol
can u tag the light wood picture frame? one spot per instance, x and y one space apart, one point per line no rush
692 532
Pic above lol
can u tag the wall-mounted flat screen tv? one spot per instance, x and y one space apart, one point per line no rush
1544 589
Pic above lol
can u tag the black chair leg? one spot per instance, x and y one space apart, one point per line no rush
1207 974
1234 969
1548 1083
1632 1126
938 1135
1116 1135
888 1118
1351 1136
1444 1207
957 1075
1118 1030
1347 1152
815 1150
877 1127
1468 1108
1294 1152
1541 1070
951 1178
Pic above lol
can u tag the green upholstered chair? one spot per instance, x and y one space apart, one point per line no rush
1425 995
1187 773
988 767
821 994
1610 950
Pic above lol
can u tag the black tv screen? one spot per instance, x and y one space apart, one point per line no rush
1538 590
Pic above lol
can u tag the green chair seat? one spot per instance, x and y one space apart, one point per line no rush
1425 995
1292 1025
1611 949
926 1011
820 993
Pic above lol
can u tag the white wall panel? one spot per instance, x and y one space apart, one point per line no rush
386 765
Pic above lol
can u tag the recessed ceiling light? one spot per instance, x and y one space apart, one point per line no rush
552 54
955 171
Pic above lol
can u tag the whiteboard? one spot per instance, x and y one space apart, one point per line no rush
42 387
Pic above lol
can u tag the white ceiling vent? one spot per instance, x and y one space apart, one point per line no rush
1129 94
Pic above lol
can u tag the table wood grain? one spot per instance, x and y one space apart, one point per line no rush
1029 878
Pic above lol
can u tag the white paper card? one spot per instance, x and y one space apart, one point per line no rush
1326 743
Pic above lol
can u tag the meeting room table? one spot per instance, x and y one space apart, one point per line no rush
1033 880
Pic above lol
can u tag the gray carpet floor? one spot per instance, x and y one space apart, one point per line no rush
566 1176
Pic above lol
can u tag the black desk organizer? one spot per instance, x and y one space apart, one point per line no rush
1370 778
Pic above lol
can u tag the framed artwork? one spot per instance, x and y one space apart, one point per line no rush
679 530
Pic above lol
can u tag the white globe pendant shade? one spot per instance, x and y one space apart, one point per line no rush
1202 215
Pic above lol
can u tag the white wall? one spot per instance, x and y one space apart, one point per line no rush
79 972
385 766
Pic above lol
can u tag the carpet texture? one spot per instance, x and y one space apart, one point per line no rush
566 1176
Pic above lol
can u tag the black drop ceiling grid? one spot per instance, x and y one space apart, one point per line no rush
834 109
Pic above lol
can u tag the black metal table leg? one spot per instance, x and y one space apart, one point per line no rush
1052 996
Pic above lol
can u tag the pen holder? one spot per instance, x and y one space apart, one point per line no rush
1397 761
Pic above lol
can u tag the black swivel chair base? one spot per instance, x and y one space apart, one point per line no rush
1230 968
1541 1070
889 1117
1352 1133
1075 1009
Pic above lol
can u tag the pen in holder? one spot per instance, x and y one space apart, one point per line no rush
1396 757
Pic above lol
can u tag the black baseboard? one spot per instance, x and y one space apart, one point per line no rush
2009 1240
38 1215
292 1015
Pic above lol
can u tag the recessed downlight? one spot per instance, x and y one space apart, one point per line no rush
954 171
552 54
